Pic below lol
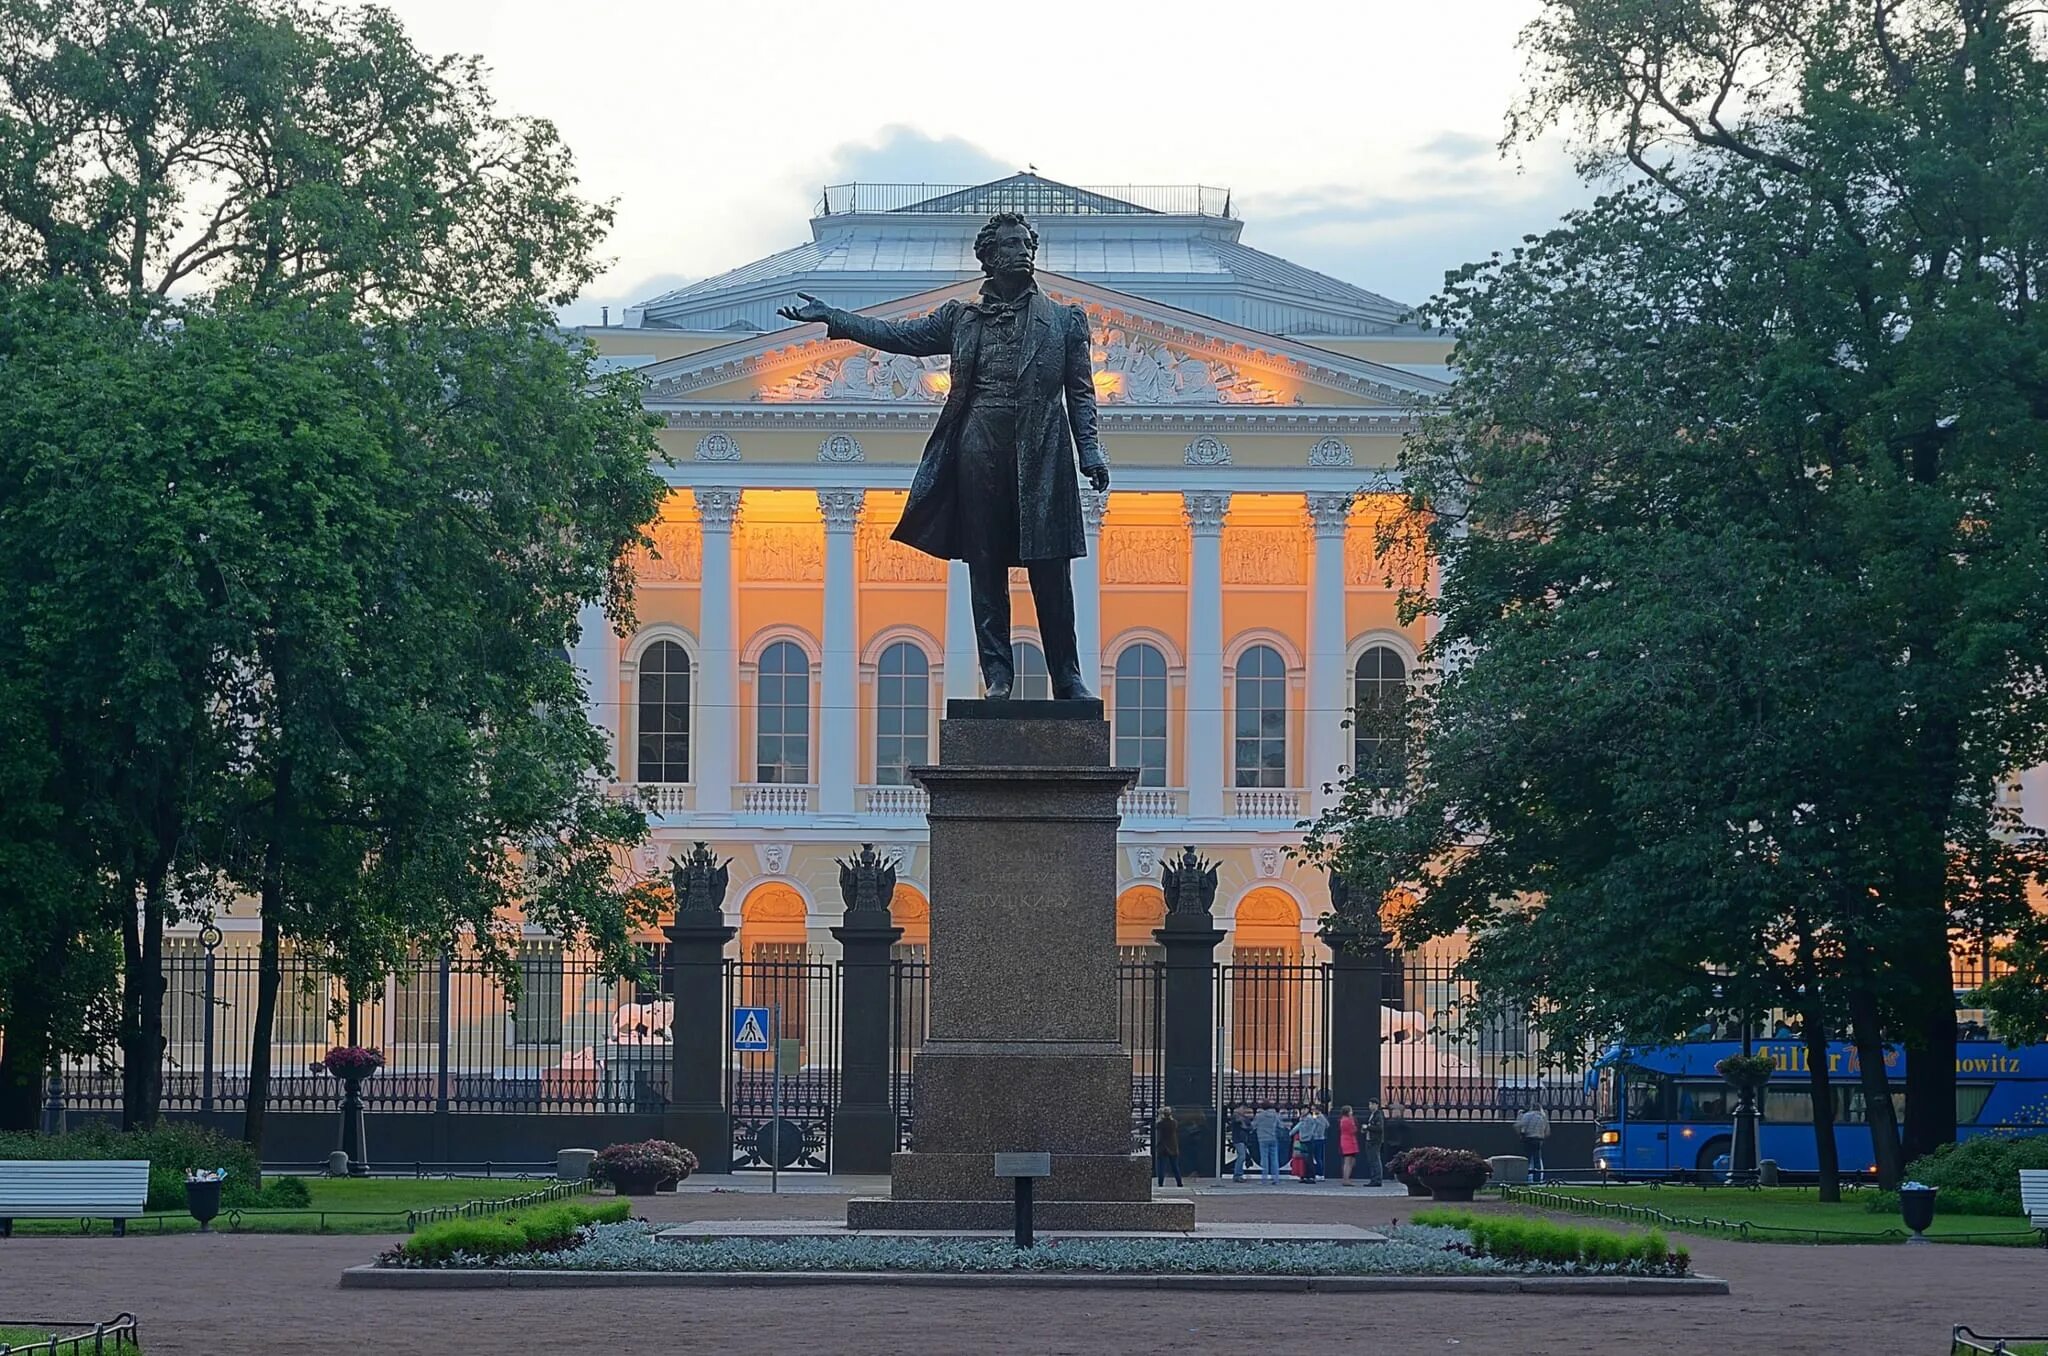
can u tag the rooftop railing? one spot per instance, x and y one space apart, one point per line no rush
1031 197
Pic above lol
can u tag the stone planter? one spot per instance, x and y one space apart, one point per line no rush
1916 1208
643 1183
1454 1187
1414 1185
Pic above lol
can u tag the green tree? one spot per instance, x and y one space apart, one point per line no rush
1779 396
350 487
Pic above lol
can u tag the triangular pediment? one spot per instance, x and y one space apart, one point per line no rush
1146 355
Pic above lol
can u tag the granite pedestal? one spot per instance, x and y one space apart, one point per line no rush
1022 1054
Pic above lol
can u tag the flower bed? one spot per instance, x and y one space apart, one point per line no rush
1411 1250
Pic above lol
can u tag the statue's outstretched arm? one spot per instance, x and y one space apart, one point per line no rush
921 338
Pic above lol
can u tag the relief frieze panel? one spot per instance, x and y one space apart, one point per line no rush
884 561
1262 555
783 553
1144 555
677 556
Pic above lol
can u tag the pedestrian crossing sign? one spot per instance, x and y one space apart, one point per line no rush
750 1029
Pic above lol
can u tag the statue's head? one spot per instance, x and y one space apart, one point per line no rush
1006 245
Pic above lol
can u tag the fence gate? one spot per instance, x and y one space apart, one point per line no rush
1272 1038
804 994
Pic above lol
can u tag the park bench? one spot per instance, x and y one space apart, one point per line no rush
113 1189
2034 1198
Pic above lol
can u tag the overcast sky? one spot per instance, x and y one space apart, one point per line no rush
1358 135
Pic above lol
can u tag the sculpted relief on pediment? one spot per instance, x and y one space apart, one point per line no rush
1130 369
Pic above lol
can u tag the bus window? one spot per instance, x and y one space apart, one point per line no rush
1646 1096
1788 1106
1609 1095
1854 1109
1705 1102
1970 1099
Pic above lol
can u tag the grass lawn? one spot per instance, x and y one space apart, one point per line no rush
1792 1214
361 1205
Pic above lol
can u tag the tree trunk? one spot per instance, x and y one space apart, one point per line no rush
26 1053
142 1007
270 963
1931 1048
269 977
1826 1155
1877 1088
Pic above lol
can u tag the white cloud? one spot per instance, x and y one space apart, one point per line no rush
1358 137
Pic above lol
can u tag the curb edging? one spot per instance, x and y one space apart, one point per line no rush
403 1278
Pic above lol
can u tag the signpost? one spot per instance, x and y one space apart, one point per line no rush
753 1032
1023 1169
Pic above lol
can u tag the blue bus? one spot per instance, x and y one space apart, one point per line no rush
1664 1110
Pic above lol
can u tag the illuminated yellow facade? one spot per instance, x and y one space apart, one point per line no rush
789 661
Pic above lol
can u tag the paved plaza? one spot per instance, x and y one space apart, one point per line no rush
242 1295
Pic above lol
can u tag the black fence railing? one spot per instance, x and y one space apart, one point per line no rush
577 1040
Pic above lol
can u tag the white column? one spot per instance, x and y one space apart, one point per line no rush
1088 591
597 668
1328 741
839 687
718 716
1207 727
963 665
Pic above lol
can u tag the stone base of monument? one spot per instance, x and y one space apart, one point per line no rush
1022 1054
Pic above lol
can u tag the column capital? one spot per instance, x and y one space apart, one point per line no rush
1093 505
840 508
1328 511
717 506
1205 510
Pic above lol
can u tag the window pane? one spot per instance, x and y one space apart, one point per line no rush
662 750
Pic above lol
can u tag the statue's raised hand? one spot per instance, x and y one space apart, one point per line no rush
812 312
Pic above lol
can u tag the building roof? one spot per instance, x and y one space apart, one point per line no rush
1179 245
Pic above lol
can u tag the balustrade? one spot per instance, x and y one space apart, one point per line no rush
775 798
1268 803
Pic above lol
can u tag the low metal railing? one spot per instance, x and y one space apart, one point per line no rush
74 1339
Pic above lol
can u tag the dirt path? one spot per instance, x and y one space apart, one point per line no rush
241 1295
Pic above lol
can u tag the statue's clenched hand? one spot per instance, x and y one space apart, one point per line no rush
812 312
1096 468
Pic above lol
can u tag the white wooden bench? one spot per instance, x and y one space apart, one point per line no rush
113 1188
2034 1198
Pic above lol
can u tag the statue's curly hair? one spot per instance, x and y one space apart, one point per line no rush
985 238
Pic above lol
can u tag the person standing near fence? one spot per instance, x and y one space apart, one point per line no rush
1347 1141
1313 1130
1372 1132
1166 1146
1266 1127
1243 1141
1534 1128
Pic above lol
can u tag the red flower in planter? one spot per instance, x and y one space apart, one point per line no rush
353 1061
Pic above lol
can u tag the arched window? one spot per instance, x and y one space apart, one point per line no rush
903 691
1141 713
782 705
664 713
1380 724
1034 683
1261 739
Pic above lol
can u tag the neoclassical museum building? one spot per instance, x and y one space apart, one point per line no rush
790 662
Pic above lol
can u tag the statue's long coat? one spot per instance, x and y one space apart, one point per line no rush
1055 421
